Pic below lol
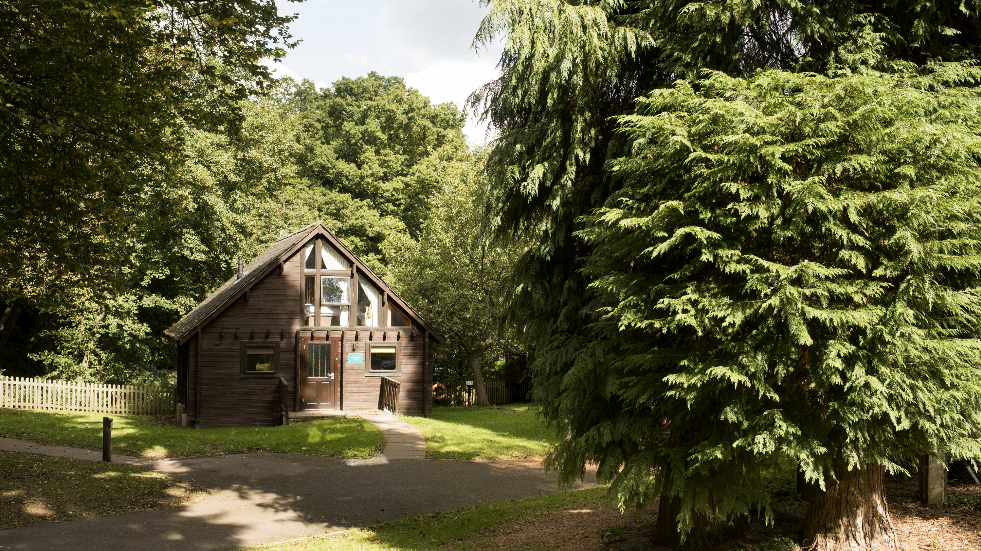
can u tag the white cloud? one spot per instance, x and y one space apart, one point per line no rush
279 70
360 60
430 31
454 81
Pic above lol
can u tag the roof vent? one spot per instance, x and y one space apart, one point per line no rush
241 271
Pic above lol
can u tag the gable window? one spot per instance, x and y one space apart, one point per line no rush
260 359
326 286
383 358
368 302
398 318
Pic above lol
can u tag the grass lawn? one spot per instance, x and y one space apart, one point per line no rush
459 529
485 433
36 488
150 437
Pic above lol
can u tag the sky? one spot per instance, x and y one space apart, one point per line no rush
426 42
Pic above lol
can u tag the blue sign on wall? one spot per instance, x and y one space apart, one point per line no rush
355 358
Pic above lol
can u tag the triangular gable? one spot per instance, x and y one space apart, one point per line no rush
272 258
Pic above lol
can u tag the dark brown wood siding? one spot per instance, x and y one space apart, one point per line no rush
361 388
220 396
270 313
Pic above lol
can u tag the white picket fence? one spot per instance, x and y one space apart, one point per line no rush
22 392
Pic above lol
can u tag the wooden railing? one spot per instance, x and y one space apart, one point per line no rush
388 396
21 392
284 396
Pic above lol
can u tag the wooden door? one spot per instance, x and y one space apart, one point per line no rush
318 370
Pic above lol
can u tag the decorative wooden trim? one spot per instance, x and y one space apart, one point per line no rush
317 284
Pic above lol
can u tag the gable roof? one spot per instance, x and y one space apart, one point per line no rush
277 253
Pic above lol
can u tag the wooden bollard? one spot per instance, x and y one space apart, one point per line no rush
107 439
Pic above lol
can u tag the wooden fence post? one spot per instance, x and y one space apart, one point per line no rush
107 439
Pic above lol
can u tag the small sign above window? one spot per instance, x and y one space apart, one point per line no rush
355 358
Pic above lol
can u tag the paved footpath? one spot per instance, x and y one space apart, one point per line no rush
266 497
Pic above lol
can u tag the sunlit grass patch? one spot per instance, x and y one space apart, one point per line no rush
144 436
37 488
489 433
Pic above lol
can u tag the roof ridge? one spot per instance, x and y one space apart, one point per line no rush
301 230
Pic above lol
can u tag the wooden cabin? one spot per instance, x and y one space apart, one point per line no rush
305 327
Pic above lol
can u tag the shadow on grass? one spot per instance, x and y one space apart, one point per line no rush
35 488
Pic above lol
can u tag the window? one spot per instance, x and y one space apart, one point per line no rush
334 289
398 318
318 360
368 302
326 286
260 359
383 358
334 300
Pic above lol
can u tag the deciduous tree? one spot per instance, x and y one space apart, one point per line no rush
455 276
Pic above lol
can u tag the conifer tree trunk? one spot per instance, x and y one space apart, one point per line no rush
851 515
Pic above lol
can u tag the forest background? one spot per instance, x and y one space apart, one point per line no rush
129 198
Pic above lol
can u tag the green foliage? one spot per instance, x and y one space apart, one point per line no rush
89 94
219 201
373 155
791 267
453 275
144 437
219 195
123 126
724 266
36 488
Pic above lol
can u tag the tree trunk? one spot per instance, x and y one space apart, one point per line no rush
84 364
851 515
7 323
666 534
478 380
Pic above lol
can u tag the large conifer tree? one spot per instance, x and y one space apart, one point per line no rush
779 264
